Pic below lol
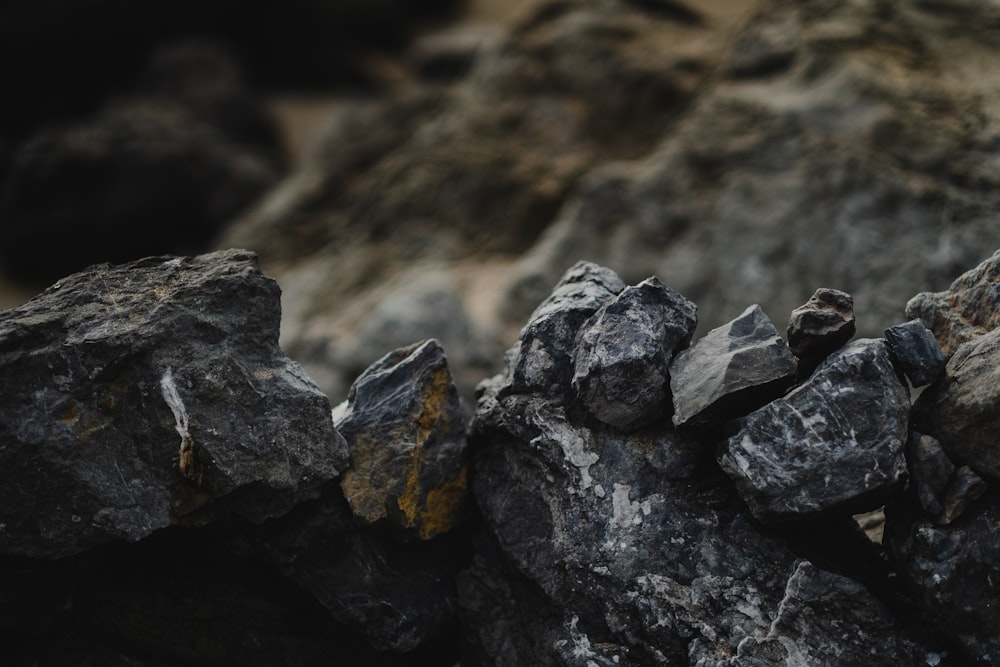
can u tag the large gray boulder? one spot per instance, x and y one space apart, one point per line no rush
150 394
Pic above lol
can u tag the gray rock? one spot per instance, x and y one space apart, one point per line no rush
832 445
970 307
960 408
154 393
633 549
952 571
405 431
964 488
543 355
930 471
731 371
821 325
623 353
916 352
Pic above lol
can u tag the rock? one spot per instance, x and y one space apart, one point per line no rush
821 325
732 370
916 352
405 432
965 488
960 408
633 549
160 171
930 471
967 309
832 445
154 393
623 353
542 359
951 571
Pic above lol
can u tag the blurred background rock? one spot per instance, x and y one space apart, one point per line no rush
408 170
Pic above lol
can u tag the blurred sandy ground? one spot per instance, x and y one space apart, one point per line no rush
300 116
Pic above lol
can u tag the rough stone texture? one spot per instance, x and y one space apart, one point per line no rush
633 549
967 309
405 430
821 325
916 352
952 571
159 171
623 353
832 445
149 394
732 370
960 409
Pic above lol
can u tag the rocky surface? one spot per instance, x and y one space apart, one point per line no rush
145 395
916 352
833 444
731 371
821 325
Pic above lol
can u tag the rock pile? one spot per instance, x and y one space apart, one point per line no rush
177 492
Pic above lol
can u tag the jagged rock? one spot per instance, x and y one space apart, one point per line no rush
633 549
154 393
930 471
967 309
964 489
543 355
952 571
832 445
623 353
159 171
732 370
960 408
915 350
405 431
821 325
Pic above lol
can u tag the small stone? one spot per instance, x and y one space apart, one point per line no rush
960 408
965 488
734 369
834 444
821 325
405 431
623 354
916 352
930 471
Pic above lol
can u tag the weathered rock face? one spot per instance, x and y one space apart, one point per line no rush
150 394
834 444
969 308
821 325
623 353
916 352
633 549
405 430
733 370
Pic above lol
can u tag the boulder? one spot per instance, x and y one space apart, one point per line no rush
734 369
960 409
154 393
821 325
623 353
833 445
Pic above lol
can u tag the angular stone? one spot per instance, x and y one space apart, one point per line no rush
964 488
132 397
834 444
623 354
916 352
970 307
731 371
930 471
821 325
405 430
960 408
542 357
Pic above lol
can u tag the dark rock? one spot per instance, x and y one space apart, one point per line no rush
405 430
916 352
952 571
623 353
821 325
960 408
967 309
542 359
731 371
832 445
154 393
633 549
930 471
965 488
